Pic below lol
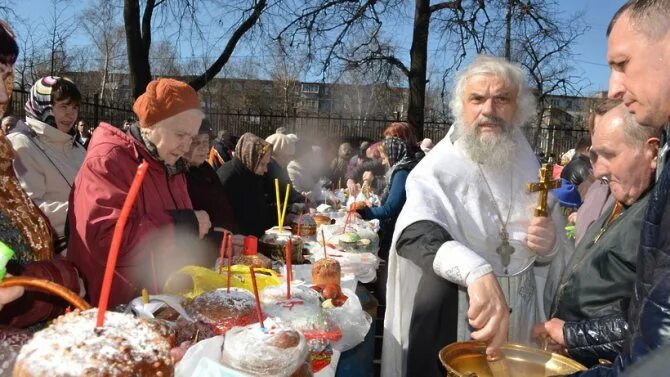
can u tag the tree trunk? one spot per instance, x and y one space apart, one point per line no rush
508 30
417 72
105 70
138 40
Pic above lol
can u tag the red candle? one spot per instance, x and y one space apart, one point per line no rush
230 257
116 241
222 251
289 272
258 301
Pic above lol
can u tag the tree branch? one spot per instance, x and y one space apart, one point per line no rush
456 4
215 68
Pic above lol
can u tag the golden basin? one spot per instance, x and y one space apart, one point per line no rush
468 359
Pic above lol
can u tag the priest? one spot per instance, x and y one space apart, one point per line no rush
463 260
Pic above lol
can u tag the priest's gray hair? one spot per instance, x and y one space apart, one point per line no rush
494 66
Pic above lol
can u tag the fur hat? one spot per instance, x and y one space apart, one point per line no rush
164 98
281 144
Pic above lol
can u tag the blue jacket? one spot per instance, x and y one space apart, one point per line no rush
394 202
649 311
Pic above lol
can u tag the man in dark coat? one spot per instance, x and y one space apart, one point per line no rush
598 281
638 48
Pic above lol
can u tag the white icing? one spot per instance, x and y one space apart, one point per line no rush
72 346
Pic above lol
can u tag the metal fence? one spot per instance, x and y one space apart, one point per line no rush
310 127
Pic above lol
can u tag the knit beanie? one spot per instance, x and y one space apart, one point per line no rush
164 98
281 144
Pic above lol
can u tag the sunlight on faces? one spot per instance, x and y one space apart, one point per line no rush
485 126
639 72
199 151
628 167
173 136
66 113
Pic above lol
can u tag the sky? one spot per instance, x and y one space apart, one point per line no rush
590 49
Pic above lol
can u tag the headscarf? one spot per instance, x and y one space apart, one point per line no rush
39 105
251 149
399 159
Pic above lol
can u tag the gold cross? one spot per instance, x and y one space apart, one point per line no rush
543 188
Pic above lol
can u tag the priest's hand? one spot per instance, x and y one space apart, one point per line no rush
541 235
203 223
488 312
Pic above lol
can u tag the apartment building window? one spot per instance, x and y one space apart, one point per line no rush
310 88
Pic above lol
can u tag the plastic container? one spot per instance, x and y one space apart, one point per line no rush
273 245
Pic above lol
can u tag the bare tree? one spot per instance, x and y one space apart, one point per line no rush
164 59
331 29
286 68
108 39
138 27
60 27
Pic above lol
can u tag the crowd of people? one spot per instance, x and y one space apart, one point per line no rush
467 258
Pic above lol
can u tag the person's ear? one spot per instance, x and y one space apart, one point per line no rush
651 147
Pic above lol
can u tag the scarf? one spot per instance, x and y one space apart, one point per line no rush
251 149
179 167
399 159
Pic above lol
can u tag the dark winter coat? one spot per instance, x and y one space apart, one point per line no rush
649 311
246 194
598 283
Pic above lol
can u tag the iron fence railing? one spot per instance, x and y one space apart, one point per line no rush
318 127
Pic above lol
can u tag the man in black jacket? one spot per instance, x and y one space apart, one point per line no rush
638 52
598 281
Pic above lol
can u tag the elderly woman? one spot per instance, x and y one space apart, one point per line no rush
242 180
597 284
204 187
169 116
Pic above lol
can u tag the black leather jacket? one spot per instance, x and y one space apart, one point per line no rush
593 339
649 312
597 285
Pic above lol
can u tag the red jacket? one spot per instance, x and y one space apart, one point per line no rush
98 194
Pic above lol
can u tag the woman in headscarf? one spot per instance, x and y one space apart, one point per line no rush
47 155
169 116
205 189
242 180
401 161
283 151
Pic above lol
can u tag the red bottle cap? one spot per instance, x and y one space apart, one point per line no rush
250 245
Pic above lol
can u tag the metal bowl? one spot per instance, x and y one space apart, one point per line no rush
468 359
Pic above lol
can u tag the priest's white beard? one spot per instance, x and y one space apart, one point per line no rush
496 150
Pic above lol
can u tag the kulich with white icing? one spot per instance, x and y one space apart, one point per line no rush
73 346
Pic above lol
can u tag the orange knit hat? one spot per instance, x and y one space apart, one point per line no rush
163 99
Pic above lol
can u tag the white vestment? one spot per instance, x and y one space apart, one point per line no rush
447 188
